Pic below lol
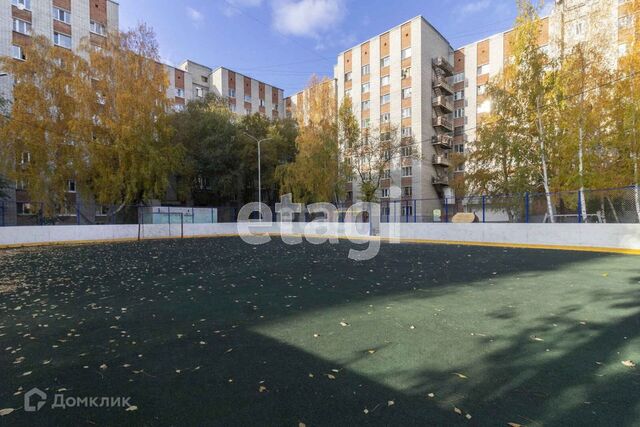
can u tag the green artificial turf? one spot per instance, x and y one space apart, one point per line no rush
217 332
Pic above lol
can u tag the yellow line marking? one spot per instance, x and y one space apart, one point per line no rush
351 238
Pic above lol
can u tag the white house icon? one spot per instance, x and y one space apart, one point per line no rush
38 397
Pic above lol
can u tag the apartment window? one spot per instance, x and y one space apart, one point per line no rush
62 40
459 95
366 70
407 151
458 78
385 136
365 105
98 28
485 107
71 186
22 4
460 167
385 99
21 26
622 50
385 118
406 93
483 69
17 52
347 76
247 98
386 174
625 21
578 28
482 89
406 53
25 209
407 171
406 113
204 79
349 195
26 158
366 123
385 62
275 107
406 72
232 93
385 80
347 92
247 111
199 92
408 192
386 155
232 107
385 193
366 87
179 92
458 130
406 132
61 15
458 148
458 113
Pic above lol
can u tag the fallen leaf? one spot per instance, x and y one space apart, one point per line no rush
344 324
103 366
26 373
629 363
457 411
431 395
262 389
463 376
302 425
366 411
514 425
6 411
412 327
391 403
371 351
468 416
132 408
331 377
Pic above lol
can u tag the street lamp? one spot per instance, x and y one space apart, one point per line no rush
259 141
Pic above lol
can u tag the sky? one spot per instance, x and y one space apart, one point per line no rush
284 42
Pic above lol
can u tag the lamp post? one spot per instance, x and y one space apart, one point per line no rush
259 142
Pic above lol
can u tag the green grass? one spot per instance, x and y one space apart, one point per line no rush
217 332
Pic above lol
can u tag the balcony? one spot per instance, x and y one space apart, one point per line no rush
442 84
443 64
439 160
443 141
440 181
443 103
443 123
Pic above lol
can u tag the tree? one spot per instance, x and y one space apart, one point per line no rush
46 137
315 175
131 156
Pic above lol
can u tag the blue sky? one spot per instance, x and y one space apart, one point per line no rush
283 42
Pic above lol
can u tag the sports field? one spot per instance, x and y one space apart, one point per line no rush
216 332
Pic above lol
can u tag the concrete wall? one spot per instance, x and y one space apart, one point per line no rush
604 236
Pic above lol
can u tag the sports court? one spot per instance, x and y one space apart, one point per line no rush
217 332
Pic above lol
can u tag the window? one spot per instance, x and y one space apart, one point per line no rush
199 92
347 76
407 151
408 192
25 209
347 92
458 130
98 28
71 186
26 158
365 105
483 69
366 123
366 69
232 107
459 113
262 103
458 148
247 98
406 132
232 93
385 136
406 93
22 4
622 50
459 95
625 21
385 99
179 92
61 15
275 107
406 72
385 193
385 62
21 26
385 80
406 53
62 40
385 118
366 87
406 113
485 107
578 28
386 174
407 171
458 78
204 79
387 154
482 89
17 52
247 111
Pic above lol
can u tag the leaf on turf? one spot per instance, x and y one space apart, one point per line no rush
535 338
371 351
514 425
431 395
366 411
26 373
6 411
302 425
459 375
391 403
103 366
629 363
262 389
132 408
457 410
344 324
331 376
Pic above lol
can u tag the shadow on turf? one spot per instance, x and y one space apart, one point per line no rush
512 386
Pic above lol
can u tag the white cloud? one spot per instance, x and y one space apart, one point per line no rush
307 18
233 7
195 16
475 6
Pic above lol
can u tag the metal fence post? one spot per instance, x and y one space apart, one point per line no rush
484 209
446 210
526 207
181 225
415 211
580 207
77 211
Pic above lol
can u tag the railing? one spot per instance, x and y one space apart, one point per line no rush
442 83
443 64
442 121
444 141
440 160
442 102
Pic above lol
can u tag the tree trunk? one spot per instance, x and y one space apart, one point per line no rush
583 203
543 158
613 209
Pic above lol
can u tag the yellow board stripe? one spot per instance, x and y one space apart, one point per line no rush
327 237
